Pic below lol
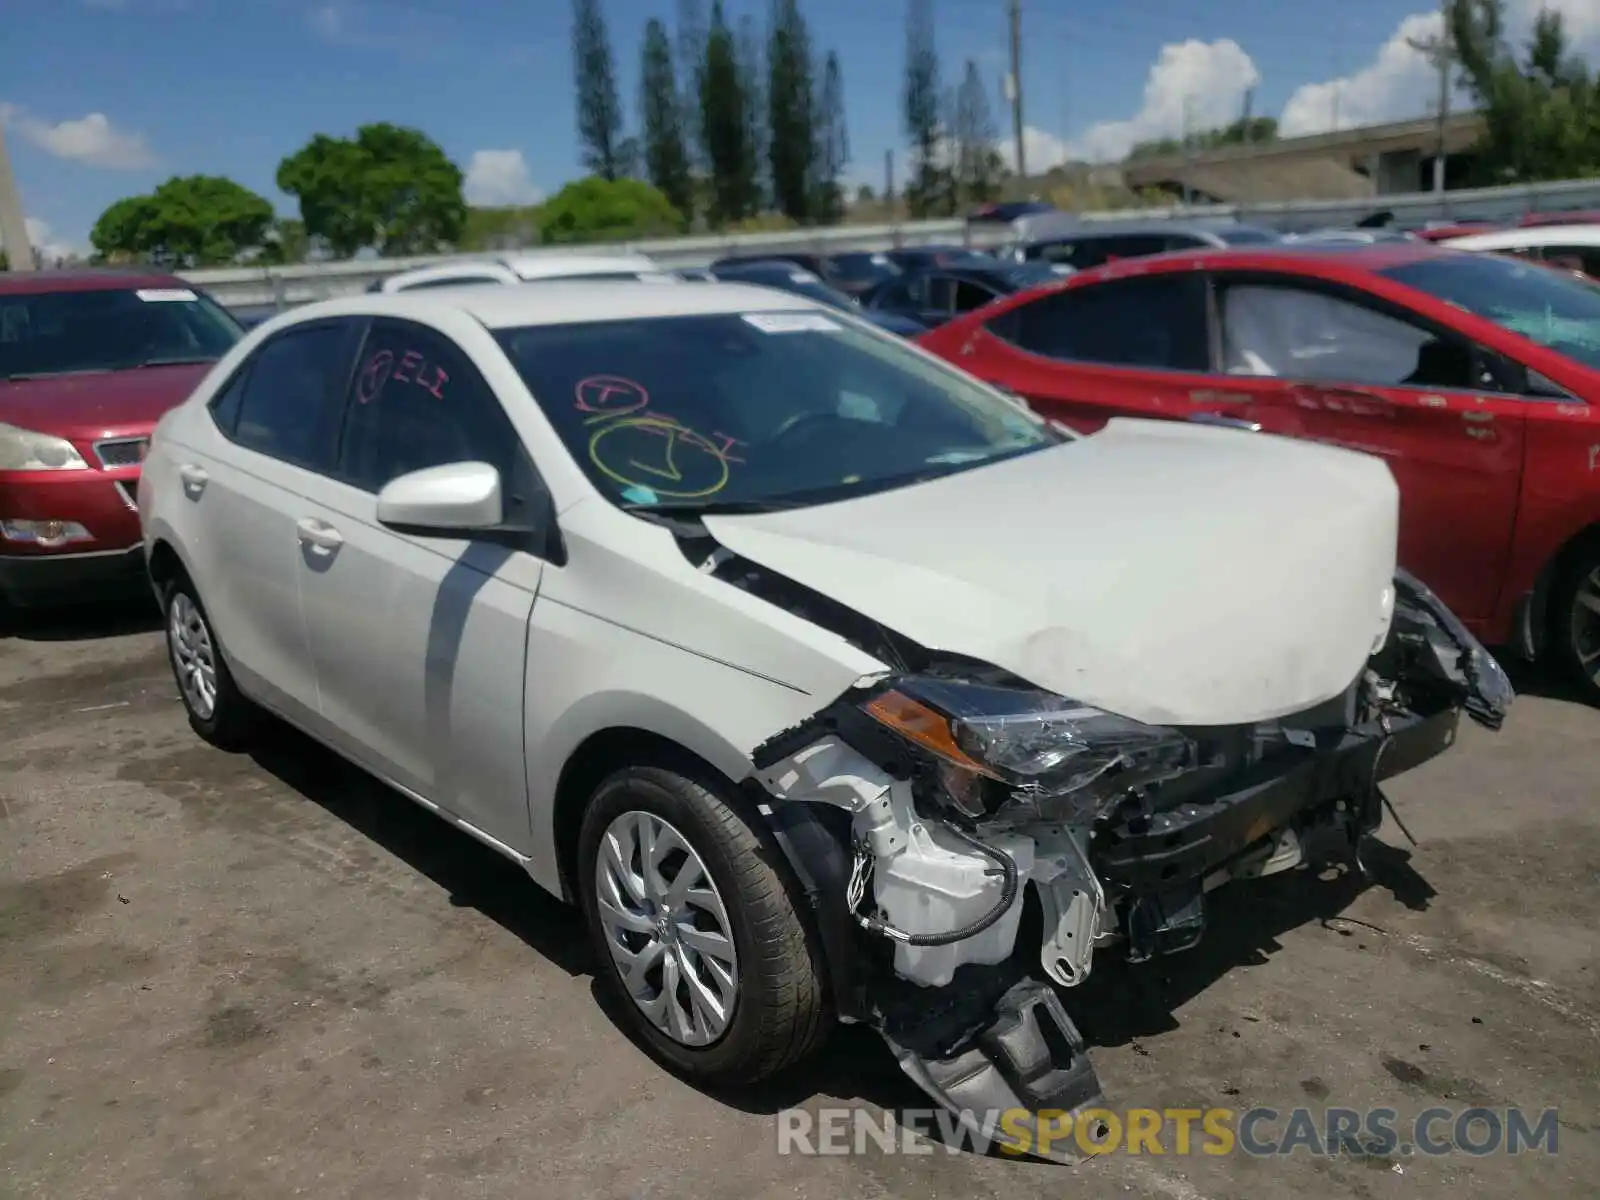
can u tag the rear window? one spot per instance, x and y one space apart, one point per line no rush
59 333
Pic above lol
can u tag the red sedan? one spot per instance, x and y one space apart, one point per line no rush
1476 378
89 360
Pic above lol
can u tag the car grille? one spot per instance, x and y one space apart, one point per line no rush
122 452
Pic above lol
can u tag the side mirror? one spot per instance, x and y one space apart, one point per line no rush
455 498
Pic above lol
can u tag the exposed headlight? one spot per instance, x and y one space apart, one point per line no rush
1030 739
25 450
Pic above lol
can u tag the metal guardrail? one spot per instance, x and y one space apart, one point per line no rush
284 286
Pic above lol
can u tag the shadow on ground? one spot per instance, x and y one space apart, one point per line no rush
1119 1004
81 622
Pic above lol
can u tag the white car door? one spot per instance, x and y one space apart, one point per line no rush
420 642
276 426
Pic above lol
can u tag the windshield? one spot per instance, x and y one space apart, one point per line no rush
1246 237
59 333
861 268
1031 274
1545 306
759 410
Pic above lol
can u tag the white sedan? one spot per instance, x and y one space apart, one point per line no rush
796 657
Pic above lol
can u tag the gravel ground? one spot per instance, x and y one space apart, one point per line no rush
264 975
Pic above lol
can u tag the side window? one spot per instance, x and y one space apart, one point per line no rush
1305 334
971 295
224 405
1131 246
292 393
416 402
1180 241
894 294
1156 321
938 293
1579 258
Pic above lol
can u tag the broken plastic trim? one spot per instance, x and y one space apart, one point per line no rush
1459 658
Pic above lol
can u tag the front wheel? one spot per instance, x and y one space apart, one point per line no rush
217 710
697 934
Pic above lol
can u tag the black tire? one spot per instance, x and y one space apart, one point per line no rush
233 718
1567 644
781 1012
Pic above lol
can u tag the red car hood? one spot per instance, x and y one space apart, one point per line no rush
98 404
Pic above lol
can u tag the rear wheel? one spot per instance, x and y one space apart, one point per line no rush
698 937
1575 623
217 710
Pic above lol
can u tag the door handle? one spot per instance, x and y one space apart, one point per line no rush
193 479
320 537
1211 418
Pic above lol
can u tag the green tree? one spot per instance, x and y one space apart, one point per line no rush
1246 130
1542 112
666 154
285 242
690 48
752 82
832 154
791 112
974 160
921 101
725 126
389 187
599 110
597 209
189 221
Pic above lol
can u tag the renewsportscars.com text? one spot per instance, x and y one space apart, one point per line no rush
1258 1132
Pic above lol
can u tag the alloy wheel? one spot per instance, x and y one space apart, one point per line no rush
667 929
193 655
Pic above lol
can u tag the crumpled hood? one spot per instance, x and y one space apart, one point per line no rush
1169 572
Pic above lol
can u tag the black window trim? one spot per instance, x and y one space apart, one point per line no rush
544 540
348 325
1208 313
1514 374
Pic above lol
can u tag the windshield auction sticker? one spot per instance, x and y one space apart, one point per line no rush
165 295
792 322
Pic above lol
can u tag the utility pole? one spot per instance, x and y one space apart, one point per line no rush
1188 151
1014 86
13 224
888 193
1440 52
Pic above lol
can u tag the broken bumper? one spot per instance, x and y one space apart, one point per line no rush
919 842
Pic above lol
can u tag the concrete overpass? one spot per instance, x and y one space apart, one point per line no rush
1350 164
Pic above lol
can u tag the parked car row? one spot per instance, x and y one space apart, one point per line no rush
801 656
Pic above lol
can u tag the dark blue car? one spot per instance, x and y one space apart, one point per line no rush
787 277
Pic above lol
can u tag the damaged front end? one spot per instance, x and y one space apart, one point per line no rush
922 809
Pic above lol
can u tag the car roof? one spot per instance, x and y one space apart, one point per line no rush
552 266
1304 258
499 307
102 279
527 267
1528 236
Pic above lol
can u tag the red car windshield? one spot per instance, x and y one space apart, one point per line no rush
61 333
1545 306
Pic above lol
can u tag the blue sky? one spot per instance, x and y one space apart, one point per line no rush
104 98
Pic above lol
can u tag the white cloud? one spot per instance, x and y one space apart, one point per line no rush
327 21
1193 84
46 245
49 247
1582 18
1398 83
91 139
496 178
1041 150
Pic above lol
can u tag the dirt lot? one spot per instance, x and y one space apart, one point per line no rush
262 976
